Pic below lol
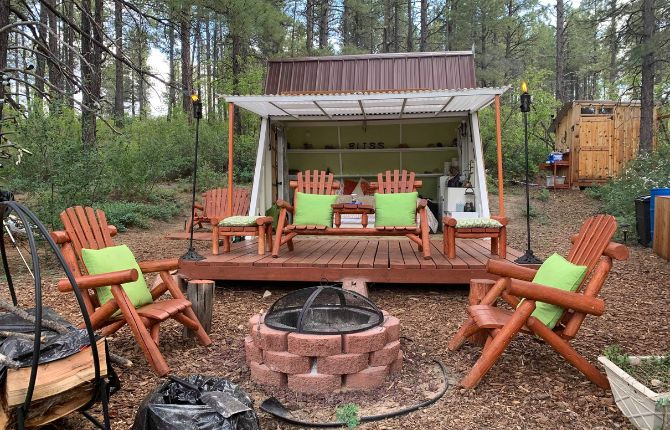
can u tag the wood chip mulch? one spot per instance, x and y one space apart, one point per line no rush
530 386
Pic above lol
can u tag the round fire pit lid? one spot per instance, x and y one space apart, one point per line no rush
323 309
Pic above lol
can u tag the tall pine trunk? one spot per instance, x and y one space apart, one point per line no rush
69 57
410 26
323 24
235 53
172 95
186 72
91 72
560 50
309 22
648 76
4 44
55 77
423 26
118 65
40 69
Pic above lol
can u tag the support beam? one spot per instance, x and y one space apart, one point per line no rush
501 186
360 104
445 106
284 110
479 165
258 183
322 110
231 126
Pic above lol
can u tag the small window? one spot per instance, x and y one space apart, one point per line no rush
606 110
588 110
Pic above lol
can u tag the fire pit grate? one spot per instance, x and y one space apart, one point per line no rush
324 309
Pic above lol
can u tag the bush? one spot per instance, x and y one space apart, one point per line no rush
132 214
647 171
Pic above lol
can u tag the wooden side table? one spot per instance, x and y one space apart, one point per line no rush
352 209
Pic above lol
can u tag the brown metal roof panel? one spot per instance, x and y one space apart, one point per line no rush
284 80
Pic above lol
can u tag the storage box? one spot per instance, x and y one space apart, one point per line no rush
550 180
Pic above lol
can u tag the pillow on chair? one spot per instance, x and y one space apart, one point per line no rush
478 223
112 259
556 272
395 210
239 221
314 209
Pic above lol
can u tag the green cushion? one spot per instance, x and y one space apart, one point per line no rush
112 259
313 209
478 223
238 221
556 272
395 210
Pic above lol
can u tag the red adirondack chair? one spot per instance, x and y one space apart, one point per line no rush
87 228
592 247
215 206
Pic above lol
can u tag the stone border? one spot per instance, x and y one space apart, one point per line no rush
318 364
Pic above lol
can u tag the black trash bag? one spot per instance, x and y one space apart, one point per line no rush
197 403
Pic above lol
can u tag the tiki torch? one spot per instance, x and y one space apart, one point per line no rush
192 254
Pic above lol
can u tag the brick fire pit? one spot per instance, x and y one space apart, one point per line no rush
317 363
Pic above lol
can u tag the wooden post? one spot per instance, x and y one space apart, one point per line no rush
201 295
501 187
356 285
478 290
231 126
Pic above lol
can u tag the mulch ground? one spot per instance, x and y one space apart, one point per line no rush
530 386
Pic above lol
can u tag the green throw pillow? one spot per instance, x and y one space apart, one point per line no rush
556 272
313 209
238 221
113 259
478 223
395 210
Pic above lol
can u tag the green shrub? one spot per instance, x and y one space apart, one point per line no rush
647 171
543 195
132 214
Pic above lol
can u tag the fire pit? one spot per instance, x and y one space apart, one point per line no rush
322 339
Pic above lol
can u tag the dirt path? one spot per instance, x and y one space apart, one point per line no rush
530 387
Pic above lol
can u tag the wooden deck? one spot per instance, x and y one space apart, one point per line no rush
374 260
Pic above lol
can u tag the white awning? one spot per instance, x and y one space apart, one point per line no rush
369 105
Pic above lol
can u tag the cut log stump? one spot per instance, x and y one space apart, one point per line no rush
356 285
200 292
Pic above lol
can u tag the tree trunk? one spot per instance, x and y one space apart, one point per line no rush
172 95
560 50
91 72
423 27
4 44
396 26
55 76
69 57
410 26
208 63
309 22
648 76
141 91
344 23
40 68
237 70
215 69
614 51
323 24
118 65
186 73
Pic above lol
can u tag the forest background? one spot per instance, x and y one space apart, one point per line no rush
85 91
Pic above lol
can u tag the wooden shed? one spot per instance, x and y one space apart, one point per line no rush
598 139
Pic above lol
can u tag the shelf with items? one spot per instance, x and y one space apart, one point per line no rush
556 169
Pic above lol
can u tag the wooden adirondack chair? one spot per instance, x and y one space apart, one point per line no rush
401 182
87 228
592 247
215 204
314 183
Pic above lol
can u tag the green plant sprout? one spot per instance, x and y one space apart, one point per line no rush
348 414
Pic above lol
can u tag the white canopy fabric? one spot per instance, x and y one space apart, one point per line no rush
369 105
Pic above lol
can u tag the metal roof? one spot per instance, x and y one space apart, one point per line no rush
568 105
369 105
373 72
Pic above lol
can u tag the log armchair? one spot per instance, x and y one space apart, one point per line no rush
214 206
592 247
86 228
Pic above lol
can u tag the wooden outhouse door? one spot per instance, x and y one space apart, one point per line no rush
595 147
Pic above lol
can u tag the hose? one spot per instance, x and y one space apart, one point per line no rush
274 407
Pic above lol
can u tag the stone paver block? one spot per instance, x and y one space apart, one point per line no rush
314 383
272 340
283 361
261 374
396 366
386 355
365 341
251 351
314 345
342 364
367 379
392 326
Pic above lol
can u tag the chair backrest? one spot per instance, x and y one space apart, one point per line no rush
397 182
315 182
593 238
215 202
84 227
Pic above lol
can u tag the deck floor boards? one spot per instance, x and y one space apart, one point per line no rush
395 260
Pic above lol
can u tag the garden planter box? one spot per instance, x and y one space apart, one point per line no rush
645 408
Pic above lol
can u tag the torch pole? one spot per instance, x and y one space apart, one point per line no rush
192 254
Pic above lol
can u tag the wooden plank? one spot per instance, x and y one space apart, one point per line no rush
463 254
342 254
662 227
382 256
332 251
356 254
395 256
55 377
368 257
411 262
441 261
300 252
482 256
318 253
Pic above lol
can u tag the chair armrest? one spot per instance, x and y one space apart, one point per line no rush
501 219
510 270
153 266
101 280
285 205
199 206
264 220
422 203
449 221
565 299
